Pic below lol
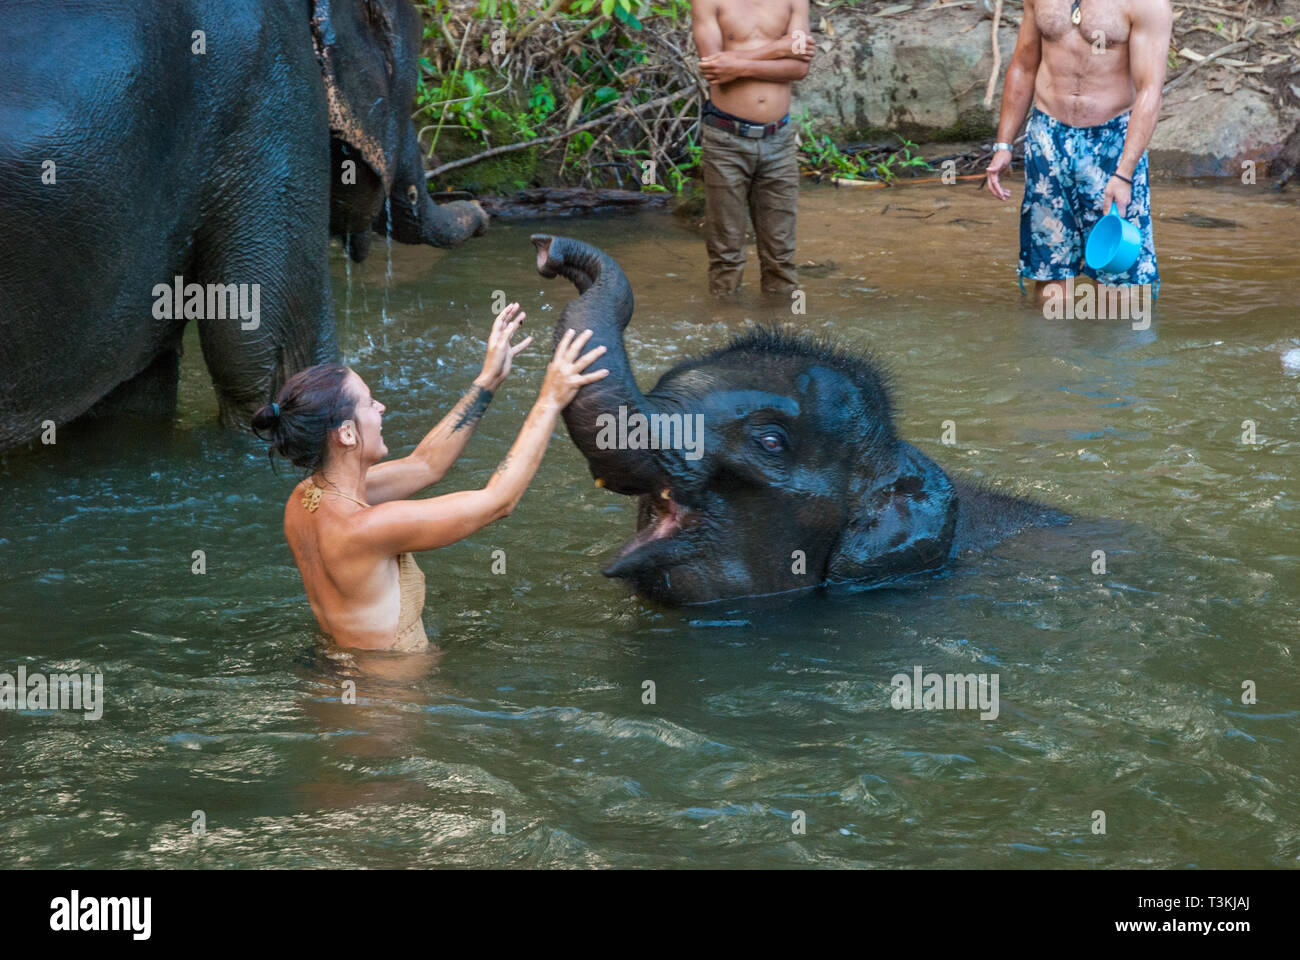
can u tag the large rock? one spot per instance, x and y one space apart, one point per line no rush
1211 134
920 74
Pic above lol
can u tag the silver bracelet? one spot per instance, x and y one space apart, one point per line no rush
1001 146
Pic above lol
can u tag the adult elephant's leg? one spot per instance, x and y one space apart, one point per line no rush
99 184
268 227
151 392
285 323
272 236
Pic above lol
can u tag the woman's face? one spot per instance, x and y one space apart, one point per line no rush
369 419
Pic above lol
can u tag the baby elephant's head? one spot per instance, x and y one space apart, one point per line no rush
767 466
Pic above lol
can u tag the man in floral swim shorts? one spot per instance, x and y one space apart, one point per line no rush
1093 70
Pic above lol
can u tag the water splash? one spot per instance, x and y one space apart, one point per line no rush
347 273
1291 361
388 233
385 316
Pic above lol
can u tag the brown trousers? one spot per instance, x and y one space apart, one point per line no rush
763 177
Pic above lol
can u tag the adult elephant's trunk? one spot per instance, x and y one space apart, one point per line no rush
593 418
448 224
416 218
442 225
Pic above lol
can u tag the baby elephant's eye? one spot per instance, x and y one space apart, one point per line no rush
771 441
412 194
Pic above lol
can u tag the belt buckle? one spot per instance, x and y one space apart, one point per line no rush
754 131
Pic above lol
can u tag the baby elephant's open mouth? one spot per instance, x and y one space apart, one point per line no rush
659 542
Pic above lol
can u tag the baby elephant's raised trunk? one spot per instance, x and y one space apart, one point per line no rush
604 307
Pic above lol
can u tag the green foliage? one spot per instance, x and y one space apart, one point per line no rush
541 103
479 100
678 174
622 9
579 144
503 10
820 154
672 9
904 159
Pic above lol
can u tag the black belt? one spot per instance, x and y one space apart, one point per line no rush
742 128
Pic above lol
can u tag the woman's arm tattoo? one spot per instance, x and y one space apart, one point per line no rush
504 465
475 404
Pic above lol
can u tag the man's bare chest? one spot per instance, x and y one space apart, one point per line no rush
744 21
1102 23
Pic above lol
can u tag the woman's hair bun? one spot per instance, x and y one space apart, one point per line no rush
320 403
266 418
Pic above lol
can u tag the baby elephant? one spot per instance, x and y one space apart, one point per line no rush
768 466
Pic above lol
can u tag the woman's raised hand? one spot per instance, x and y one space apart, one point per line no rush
496 365
564 376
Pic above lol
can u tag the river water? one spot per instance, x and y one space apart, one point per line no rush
1119 692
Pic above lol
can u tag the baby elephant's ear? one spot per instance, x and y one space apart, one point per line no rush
900 521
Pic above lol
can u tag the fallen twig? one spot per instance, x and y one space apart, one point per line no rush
544 17
1209 58
997 56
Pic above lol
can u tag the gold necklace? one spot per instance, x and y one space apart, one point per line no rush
311 498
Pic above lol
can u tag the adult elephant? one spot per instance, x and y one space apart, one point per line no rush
220 141
767 466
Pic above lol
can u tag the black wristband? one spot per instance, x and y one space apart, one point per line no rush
1119 176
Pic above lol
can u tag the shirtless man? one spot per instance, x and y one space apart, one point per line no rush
750 52
1094 70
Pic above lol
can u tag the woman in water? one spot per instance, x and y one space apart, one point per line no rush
351 524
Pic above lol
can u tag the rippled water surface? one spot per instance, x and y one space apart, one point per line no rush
1119 692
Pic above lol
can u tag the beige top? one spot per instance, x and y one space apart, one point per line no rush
411 637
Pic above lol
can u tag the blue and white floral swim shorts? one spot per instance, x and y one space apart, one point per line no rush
1066 170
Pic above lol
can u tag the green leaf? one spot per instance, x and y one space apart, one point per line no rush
627 16
605 94
606 6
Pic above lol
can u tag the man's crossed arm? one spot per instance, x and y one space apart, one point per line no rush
783 59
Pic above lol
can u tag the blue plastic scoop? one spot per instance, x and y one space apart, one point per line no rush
1114 243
